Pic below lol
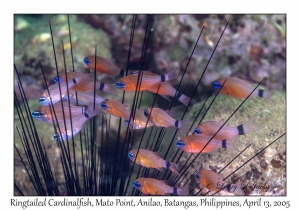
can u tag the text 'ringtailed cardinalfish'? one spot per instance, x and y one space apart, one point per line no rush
151 159
129 83
165 89
158 187
160 118
65 133
103 66
62 112
115 108
214 182
211 127
239 88
139 121
196 142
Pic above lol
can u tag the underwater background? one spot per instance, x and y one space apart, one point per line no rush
253 47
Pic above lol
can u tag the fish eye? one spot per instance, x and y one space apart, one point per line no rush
126 122
131 156
217 85
197 131
37 114
57 79
103 105
120 84
56 137
180 144
134 72
146 114
197 176
137 185
87 61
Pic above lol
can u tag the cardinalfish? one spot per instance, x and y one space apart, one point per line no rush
165 89
103 65
57 92
211 127
76 125
73 77
85 98
196 142
60 90
115 108
129 83
139 121
46 113
160 118
214 182
88 86
151 159
239 88
83 82
158 187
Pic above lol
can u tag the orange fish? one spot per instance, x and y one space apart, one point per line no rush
139 121
214 182
85 98
129 83
211 127
43 113
166 89
103 65
195 143
158 187
160 117
151 159
73 77
88 86
239 88
115 108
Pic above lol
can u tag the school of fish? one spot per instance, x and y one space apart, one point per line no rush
78 107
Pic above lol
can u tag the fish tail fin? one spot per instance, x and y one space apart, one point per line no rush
230 143
181 190
172 167
250 125
109 88
185 100
170 75
91 112
183 124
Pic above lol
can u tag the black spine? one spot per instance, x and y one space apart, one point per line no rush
176 123
162 78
